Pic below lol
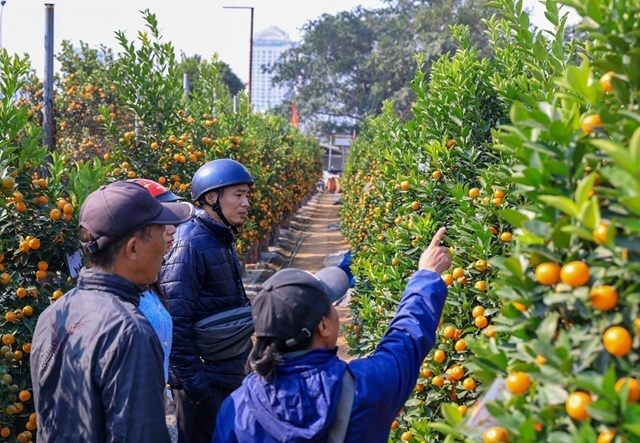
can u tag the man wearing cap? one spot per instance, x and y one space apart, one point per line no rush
96 362
201 278
300 390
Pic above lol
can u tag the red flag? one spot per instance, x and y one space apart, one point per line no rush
294 115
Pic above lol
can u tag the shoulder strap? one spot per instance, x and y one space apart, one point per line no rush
343 414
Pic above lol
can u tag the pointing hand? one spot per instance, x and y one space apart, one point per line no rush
436 258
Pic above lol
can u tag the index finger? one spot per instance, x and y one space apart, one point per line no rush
435 242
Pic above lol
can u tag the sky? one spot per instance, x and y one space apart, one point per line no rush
192 26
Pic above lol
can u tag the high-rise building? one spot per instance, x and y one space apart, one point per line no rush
268 45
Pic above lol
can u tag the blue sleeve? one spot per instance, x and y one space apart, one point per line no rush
390 373
225 423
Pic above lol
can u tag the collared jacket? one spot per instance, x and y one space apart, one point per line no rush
300 404
96 366
201 276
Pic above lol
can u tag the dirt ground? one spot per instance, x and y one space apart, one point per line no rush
321 245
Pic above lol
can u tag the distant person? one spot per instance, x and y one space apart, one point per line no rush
202 281
153 303
96 363
331 185
300 390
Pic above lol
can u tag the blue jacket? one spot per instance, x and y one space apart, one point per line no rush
201 275
300 405
152 308
96 366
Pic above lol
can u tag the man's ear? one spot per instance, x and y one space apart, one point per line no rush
211 197
324 327
130 248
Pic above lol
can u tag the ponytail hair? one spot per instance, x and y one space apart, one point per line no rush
268 353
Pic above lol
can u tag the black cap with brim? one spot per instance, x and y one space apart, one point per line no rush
292 302
118 210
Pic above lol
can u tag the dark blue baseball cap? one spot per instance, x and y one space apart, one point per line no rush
292 302
117 210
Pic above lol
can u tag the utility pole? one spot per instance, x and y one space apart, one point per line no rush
250 49
47 109
2 3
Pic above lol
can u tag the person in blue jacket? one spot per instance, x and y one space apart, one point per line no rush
153 303
294 391
201 277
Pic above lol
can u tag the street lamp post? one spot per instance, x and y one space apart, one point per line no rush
2 3
250 48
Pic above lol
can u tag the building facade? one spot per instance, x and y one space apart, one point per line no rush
268 45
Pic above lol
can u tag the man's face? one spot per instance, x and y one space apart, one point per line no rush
234 203
151 251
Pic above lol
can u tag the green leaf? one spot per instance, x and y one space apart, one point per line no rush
621 179
634 428
538 228
619 154
534 175
630 115
634 146
442 428
588 381
631 203
560 238
451 413
590 213
578 231
547 329
539 147
603 411
513 265
560 132
413 402
560 437
557 167
583 188
553 394
561 203
513 217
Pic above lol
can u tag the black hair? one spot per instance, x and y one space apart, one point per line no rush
268 353
157 288
106 258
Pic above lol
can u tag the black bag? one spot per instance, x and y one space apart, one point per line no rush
225 334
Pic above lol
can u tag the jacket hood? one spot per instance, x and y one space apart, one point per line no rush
300 405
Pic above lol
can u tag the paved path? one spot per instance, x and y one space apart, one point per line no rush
323 245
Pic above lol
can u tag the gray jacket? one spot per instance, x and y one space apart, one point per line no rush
96 366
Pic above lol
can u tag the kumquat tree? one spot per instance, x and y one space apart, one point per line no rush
41 194
528 159
117 118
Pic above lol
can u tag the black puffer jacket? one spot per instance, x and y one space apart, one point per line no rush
201 276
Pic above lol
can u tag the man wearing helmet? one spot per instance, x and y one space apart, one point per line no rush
201 278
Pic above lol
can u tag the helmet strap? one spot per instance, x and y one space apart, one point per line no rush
218 210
